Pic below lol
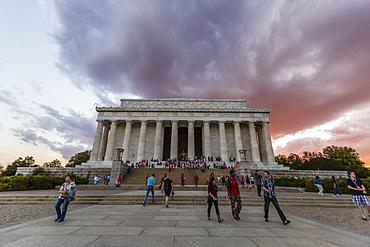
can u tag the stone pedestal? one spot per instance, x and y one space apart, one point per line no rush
243 168
118 167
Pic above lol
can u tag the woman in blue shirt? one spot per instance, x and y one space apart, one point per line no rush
318 184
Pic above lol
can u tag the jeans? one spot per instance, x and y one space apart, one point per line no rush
210 206
276 204
337 190
148 190
182 182
65 202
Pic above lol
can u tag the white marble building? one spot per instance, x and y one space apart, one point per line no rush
169 128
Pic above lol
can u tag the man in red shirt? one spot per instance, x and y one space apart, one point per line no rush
234 195
196 179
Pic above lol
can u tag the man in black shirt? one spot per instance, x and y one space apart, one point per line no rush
358 192
257 181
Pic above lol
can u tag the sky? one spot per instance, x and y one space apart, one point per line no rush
309 61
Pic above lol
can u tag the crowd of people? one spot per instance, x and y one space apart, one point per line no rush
264 183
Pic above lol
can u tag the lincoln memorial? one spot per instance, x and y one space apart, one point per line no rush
162 129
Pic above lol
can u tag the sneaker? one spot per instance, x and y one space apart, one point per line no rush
56 219
286 222
340 195
267 220
364 218
152 202
166 206
144 204
238 218
235 218
60 220
334 195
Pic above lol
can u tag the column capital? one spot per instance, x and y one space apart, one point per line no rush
174 121
191 121
206 122
159 121
236 122
221 121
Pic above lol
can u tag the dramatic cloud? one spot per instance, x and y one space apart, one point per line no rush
74 131
309 59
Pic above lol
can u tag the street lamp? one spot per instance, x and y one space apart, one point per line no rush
119 153
243 154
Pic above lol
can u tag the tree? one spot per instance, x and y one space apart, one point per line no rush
320 163
40 171
307 156
54 163
294 161
348 157
79 158
10 170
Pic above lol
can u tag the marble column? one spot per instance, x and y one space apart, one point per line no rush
97 141
238 140
126 141
268 143
141 147
158 140
174 140
110 145
223 147
103 144
207 139
191 144
254 145
262 144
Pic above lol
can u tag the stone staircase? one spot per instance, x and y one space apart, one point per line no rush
137 175
178 200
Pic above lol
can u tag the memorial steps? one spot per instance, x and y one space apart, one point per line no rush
179 200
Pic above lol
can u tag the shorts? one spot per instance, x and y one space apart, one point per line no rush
167 191
360 200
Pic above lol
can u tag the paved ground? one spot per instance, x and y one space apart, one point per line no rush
155 225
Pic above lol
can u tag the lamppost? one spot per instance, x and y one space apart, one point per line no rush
243 154
119 153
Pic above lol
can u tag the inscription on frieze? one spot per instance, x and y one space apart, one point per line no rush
183 104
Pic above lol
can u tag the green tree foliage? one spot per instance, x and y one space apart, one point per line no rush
320 163
79 158
349 158
294 161
40 171
10 170
54 163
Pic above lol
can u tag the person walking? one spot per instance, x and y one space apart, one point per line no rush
242 179
108 179
96 180
268 185
119 178
167 188
67 193
105 178
318 184
207 180
248 181
182 178
358 192
252 181
257 180
196 179
336 188
150 187
234 196
212 198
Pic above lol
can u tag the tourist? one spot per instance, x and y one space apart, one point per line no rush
268 185
252 181
162 181
248 181
358 192
108 179
118 183
212 175
105 179
242 179
223 180
196 179
167 188
207 180
67 193
318 184
219 179
212 198
257 180
96 180
119 178
234 195
146 179
150 187
182 178
336 188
